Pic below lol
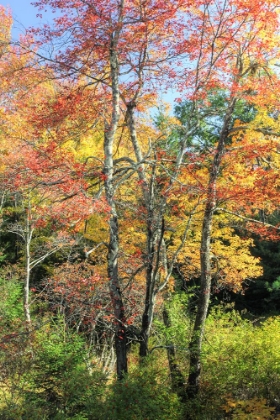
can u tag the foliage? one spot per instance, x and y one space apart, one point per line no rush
120 206
55 382
250 369
145 394
262 295
11 310
202 122
255 408
236 361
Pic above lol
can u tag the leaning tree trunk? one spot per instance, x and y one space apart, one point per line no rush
113 247
205 260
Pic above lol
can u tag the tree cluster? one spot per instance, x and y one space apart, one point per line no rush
112 207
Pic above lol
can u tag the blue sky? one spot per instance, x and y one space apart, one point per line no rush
24 15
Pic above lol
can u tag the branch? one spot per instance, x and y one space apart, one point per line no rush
265 131
247 219
87 253
131 277
41 259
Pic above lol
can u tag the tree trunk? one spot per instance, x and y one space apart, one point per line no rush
148 202
113 247
205 260
26 298
203 304
116 298
26 303
147 317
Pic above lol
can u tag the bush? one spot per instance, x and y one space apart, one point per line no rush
11 303
242 358
56 384
143 395
240 363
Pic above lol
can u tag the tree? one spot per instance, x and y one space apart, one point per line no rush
103 53
230 45
106 78
35 191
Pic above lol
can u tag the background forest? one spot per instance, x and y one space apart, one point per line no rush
139 241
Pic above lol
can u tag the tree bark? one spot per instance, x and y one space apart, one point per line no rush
27 236
148 202
205 260
150 296
26 303
113 247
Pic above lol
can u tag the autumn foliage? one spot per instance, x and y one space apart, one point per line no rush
112 205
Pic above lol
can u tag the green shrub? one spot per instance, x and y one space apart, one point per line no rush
56 384
11 302
143 395
241 358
